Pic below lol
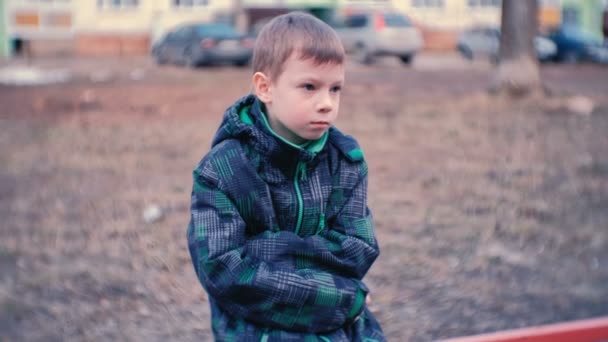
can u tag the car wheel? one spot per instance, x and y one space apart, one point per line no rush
242 63
190 62
159 56
466 52
407 59
571 57
189 59
362 55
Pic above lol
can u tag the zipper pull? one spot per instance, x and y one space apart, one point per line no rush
302 169
321 223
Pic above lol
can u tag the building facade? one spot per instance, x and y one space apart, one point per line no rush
38 26
129 27
452 14
587 14
4 41
442 20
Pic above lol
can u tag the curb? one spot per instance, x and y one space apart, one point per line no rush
591 330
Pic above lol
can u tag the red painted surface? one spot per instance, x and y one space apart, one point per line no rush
592 330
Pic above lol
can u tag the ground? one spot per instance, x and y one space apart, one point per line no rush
491 214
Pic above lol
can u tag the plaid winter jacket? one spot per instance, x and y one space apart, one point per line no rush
280 235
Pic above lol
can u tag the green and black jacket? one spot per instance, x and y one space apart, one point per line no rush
281 235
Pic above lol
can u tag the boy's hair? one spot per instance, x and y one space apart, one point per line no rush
295 32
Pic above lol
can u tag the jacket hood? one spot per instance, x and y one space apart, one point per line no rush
246 121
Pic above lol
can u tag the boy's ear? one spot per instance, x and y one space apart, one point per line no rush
261 85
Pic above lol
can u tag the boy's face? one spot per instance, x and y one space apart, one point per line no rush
303 102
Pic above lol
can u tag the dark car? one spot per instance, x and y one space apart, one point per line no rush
574 45
202 44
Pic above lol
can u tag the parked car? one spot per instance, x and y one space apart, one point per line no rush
485 42
379 33
200 44
574 45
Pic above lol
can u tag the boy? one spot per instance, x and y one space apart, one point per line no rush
280 234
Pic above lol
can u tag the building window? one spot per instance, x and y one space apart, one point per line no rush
428 3
58 20
26 19
189 3
485 3
117 3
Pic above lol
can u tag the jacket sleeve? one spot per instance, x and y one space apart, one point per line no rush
349 240
268 292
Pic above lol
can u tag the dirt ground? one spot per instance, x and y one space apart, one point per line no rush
490 214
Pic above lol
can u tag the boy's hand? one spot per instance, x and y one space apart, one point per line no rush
368 301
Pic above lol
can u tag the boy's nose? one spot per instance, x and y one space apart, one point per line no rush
325 104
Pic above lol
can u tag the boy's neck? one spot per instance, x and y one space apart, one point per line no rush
313 146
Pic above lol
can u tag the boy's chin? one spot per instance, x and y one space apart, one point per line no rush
312 136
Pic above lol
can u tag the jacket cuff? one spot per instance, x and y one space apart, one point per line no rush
357 304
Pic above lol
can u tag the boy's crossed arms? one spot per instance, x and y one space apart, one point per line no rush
277 278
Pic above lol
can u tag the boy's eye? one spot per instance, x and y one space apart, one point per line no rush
336 89
308 87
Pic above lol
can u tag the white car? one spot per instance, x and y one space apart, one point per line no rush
379 33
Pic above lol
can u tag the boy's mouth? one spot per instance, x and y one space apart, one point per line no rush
320 123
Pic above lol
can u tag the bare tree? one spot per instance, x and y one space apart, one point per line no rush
518 72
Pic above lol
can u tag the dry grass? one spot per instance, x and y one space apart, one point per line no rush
490 215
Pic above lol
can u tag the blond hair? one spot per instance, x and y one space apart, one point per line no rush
296 32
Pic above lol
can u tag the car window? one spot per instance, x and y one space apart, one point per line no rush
396 20
356 21
182 33
215 30
170 36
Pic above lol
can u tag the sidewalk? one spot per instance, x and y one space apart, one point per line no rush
21 71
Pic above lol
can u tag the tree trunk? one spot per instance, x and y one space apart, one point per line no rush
518 73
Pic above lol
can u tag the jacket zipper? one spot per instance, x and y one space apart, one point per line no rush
321 224
300 170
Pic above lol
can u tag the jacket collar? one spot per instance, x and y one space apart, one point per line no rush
247 122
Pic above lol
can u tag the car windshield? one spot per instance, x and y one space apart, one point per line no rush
396 20
214 30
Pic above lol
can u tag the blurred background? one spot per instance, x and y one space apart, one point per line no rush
491 209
